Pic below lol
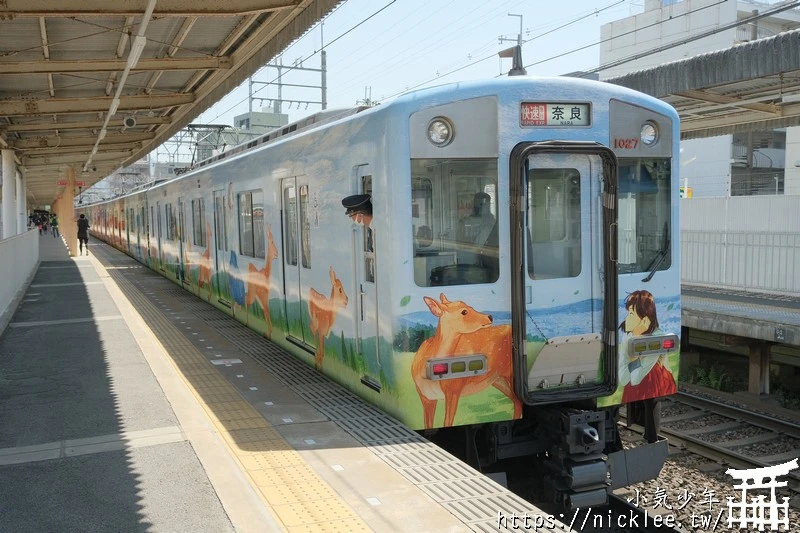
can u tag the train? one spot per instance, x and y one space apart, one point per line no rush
496 260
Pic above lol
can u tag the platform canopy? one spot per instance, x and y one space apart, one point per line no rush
97 84
753 86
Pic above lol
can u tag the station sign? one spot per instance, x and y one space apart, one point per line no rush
550 114
63 183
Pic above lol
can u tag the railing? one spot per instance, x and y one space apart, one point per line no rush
757 261
745 243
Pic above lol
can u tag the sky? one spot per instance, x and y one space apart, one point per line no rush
379 49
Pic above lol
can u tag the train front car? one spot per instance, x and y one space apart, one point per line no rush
541 256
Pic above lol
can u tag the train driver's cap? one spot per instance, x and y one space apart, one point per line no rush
357 203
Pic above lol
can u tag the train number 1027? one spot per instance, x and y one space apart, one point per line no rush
626 144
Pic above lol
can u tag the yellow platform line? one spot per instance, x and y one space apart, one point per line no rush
298 498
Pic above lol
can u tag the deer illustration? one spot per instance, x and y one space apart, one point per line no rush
258 282
323 313
204 276
462 331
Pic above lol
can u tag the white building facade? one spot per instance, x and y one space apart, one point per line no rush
756 163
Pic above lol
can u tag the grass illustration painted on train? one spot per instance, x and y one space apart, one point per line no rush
484 260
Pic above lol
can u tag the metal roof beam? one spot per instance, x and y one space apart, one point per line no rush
787 112
54 141
164 8
82 125
113 65
705 96
80 148
87 105
33 161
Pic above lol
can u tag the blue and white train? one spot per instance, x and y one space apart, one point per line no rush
516 278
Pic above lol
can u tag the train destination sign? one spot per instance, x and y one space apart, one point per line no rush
554 114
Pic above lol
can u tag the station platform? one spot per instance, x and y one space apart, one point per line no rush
766 317
128 404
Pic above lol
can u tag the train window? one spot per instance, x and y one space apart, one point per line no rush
305 228
290 223
198 218
221 225
152 222
251 224
454 221
259 237
554 222
644 215
171 223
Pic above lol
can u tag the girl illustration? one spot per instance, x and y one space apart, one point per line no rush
645 376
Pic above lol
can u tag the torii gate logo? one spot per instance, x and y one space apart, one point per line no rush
759 513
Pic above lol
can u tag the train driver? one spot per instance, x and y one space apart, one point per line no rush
359 208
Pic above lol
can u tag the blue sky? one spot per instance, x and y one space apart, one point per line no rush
422 43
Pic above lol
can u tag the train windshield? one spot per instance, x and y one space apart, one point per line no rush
644 215
454 221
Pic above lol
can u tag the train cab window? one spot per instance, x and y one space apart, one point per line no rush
644 209
251 224
454 221
553 216
198 218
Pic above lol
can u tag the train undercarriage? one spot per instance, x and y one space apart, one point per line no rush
564 455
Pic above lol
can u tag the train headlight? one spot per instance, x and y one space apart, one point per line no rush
649 133
440 131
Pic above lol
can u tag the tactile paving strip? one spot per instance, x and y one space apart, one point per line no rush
273 465
467 494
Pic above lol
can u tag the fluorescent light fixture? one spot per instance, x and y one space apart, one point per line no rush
94 150
102 135
137 47
114 105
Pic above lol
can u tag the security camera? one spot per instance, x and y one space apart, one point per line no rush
129 121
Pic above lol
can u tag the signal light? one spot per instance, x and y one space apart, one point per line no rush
668 344
439 369
475 365
459 366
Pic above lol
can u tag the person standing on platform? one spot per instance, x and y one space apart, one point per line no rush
83 233
54 225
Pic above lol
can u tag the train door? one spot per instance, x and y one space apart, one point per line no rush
564 297
158 236
297 260
182 266
221 247
366 283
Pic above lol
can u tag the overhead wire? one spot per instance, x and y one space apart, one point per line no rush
374 14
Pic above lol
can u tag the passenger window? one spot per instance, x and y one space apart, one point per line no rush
305 227
251 224
290 222
454 221
198 219
554 223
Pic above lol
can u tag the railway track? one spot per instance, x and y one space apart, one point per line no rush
730 435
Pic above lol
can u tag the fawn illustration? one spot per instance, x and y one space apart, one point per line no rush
258 283
323 313
462 331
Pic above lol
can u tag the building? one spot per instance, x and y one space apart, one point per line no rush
756 163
